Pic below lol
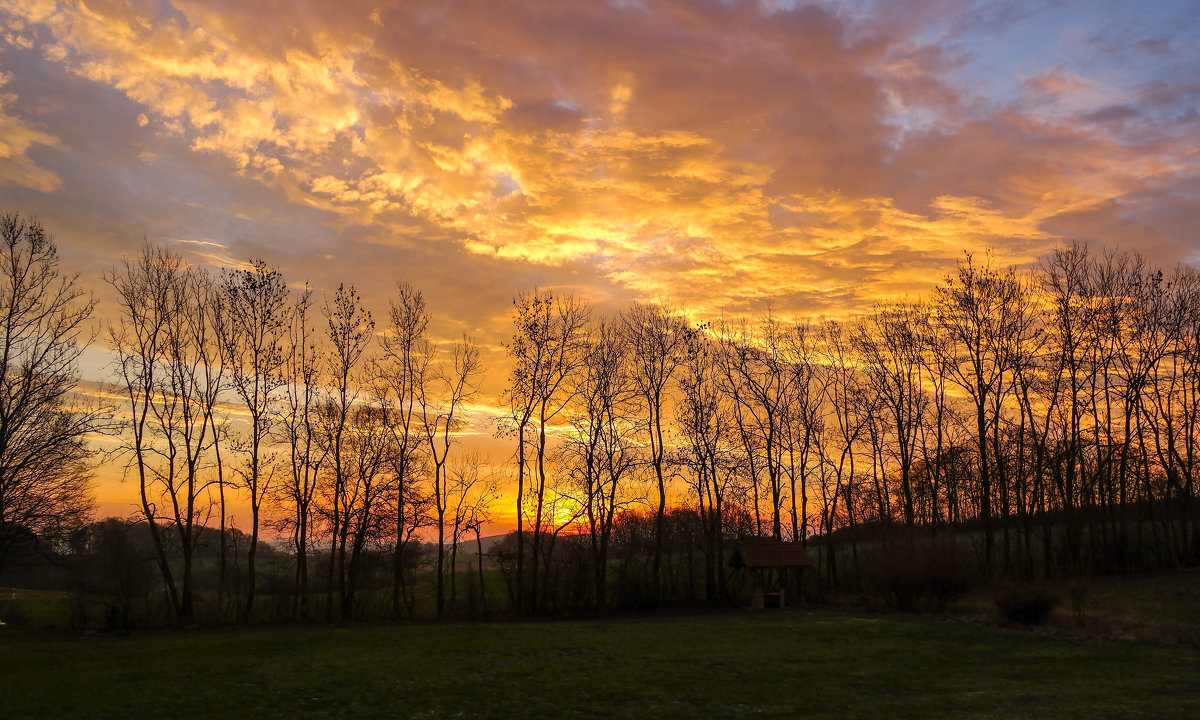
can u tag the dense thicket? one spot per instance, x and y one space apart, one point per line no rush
1022 424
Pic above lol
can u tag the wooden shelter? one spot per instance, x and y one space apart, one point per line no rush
771 559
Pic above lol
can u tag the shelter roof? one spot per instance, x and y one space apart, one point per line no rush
755 554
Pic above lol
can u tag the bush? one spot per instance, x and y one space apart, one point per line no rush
1026 605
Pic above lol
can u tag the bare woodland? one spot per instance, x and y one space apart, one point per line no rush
1009 424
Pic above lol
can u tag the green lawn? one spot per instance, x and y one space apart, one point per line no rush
764 664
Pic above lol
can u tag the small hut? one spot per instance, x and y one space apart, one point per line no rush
770 561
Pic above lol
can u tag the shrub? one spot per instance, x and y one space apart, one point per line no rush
1026 605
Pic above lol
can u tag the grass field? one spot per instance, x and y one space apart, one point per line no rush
1162 607
764 664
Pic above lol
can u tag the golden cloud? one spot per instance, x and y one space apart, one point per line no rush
17 137
698 170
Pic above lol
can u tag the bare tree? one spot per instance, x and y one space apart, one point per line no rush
367 493
1169 427
470 489
803 423
530 354
350 328
404 364
296 425
45 483
852 408
704 418
600 452
760 376
219 426
169 371
888 344
939 436
255 302
443 392
656 337
978 309
546 348
414 505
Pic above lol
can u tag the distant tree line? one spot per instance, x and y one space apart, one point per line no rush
1044 420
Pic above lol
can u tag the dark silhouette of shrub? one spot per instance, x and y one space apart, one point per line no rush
1026 605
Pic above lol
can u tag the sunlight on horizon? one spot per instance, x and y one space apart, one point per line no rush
725 156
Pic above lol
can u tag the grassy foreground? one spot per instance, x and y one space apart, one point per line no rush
764 664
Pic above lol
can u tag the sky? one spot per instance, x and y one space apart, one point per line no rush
725 156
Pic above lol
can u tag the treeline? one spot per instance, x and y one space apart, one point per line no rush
1045 419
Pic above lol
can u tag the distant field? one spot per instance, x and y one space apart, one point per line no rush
763 664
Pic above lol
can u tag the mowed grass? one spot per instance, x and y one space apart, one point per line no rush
740 664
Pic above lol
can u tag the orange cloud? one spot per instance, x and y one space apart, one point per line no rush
17 137
699 168
724 155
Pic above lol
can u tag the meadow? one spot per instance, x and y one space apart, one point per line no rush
790 663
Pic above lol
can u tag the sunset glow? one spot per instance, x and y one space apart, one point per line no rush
725 156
